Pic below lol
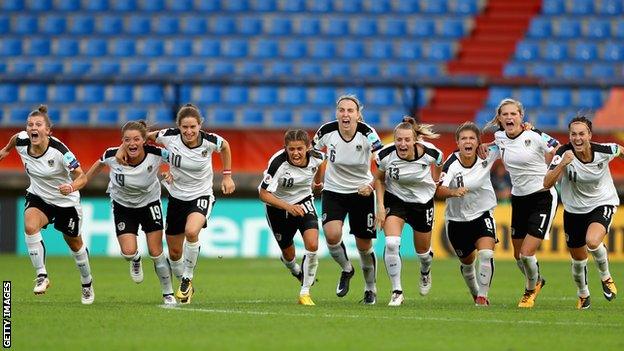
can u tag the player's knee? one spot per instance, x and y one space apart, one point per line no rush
393 244
311 247
485 255
593 244
175 253
31 228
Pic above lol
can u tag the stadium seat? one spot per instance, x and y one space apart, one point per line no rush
95 5
440 51
514 69
236 95
180 5
50 67
322 49
311 118
467 7
322 96
108 67
609 7
365 26
25 24
323 6
569 28
38 47
52 24
77 115
424 27
107 115
351 49
235 48
338 69
207 5
123 5
406 6
530 97
278 26
367 69
408 49
293 49
135 113
580 7
572 70
497 94
251 68
109 24
94 47
12 5
540 27
122 47
163 116
80 67
601 71
81 24
193 25
19 115
34 93
249 25
428 69
10 47
396 27
206 94
5 24
380 96
433 6
193 68
372 116
555 51
25 67
293 5
152 47
377 6
264 95
558 97
265 48
263 6
619 30
223 116
223 68
68 5
393 69
308 68
208 47
598 28
452 28
527 50
234 5
590 98
585 51
163 67
292 96
308 26
280 68
91 93
55 115
394 117
336 26
3 68
483 117
546 119
66 47
281 118
138 24
379 49
8 93
150 93
352 6
166 25
543 70
613 51
123 93
136 67
252 116
224 25
553 7
181 48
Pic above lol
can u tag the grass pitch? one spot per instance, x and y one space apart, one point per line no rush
252 305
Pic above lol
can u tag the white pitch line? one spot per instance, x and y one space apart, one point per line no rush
418 318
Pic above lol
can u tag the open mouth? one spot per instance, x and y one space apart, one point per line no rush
133 149
468 148
345 122
509 124
34 136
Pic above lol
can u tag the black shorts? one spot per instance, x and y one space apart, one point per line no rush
361 211
575 225
67 220
127 220
418 216
178 211
464 235
533 214
284 226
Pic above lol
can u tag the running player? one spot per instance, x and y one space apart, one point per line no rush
589 200
287 191
405 187
525 154
470 199
348 189
135 194
52 197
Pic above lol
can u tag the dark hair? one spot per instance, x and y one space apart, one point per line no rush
189 110
140 125
296 135
468 125
581 119
420 130
358 104
42 111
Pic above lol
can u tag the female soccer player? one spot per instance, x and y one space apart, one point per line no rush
348 189
524 154
54 174
470 199
589 200
405 187
134 189
287 191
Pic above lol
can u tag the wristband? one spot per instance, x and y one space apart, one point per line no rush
227 172
370 186
72 188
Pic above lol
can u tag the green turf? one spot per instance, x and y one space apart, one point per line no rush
251 304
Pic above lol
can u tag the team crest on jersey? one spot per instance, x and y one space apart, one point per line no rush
277 236
51 163
204 153
527 142
424 166
314 169
484 163
599 166
149 168
358 148
121 226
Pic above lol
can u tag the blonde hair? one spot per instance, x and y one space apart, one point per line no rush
494 122
357 103
42 111
420 130
140 125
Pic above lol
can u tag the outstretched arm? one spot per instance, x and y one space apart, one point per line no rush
9 146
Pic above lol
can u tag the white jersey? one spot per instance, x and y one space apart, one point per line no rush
48 171
585 186
191 168
476 177
523 157
410 181
348 165
135 186
289 182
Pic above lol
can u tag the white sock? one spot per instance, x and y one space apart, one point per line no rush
339 253
579 274
309 265
520 266
531 269
602 261
392 258
191 252
82 262
368 262
177 267
36 251
486 271
163 272
292 266
134 257
468 272
426 259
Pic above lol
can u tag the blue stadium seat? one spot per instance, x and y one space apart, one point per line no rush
50 67
580 7
527 50
193 25
393 69
52 24
185 93
35 93
379 49
123 5
308 68
10 47
281 68
235 95
433 6
467 7
352 6
77 115
252 116
309 26
322 96
279 26
293 49
134 113
5 24
235 48
358 91
206 94
613 51
324 6
393 117
601 71
322 49
609 7
428 69
25 24
68 5
585 51
91 93
223 116
19 115
234 5
3 68
367 69
66 47
94 47
372 116
337 26
181 48
569 28
225 25
590 98
452 28
266 48
8 93
483 117
251 68
40 5
12 5
352 49
406 6
572 70
530 97
281 118
207 5
107 115
540 27
440 50
150 93
496 94
166 25
81 24
222 68
263 6
546 119
164 67
396 27
380 96
110 24
208 47
555 51
408 49
311 117
338 69
619 30
55 115
424 27
95 5
193 68
264 95
293 96
23 67
163 116
553 7
108 67
598 28
122 93
365 26
514 69
558 97
180 5
38 47
377 6
138 24
293 6
152 47
249 25
79 66
122 47
543 70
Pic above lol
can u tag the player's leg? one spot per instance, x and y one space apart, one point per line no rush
309 264
34 221
333 217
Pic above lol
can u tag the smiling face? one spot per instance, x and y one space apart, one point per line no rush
133 142
37 129
347 114
467 143
404 142
296 150
510 118
580 136
189 128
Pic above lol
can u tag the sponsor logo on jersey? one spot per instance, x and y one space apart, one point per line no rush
51 163
599 166
527 142
358 148
121 226
204 153
484 163
149 168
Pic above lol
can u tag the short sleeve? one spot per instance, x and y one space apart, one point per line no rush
70 160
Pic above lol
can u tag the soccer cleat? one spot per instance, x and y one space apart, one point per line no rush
539 285
88 294
370 298
482 301
343 285
306 300
528 299
169 300
185 291
136 271
583 303
397 298
42 283
608 289
425 283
